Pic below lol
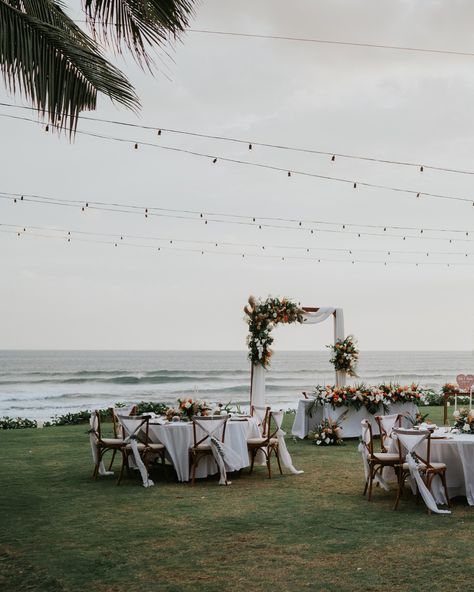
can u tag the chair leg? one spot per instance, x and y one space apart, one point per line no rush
371 479
400 487
112 459
122 468
445 487
277 453
253 454
269 466
193 479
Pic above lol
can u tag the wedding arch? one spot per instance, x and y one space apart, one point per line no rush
263 316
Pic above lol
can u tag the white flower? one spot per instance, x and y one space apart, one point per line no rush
327 440
456 414
466 427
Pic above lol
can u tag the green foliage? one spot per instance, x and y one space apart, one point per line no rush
151 407
47 57
18 423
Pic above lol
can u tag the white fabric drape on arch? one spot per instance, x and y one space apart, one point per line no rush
310 318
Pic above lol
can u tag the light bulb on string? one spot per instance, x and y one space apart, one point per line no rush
159 132
333 158
289 173
214 161
136 146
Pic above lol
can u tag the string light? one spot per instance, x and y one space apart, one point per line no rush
171 241
263 165
236 218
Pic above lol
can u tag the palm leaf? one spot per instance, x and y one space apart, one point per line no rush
45 56
137 24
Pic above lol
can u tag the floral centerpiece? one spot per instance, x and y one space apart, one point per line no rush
328 433
450 389
464 420
345 355
187 408
262 316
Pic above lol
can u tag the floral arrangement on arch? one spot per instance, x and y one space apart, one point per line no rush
373 398
262 317
345 355
328 432
187 408
464 420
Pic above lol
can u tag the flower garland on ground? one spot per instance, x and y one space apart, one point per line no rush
345 355
262 316
373 398
328 433
464 420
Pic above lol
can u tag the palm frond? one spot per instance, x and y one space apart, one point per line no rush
138 24
45 56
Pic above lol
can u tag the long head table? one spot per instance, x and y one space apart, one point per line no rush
177 437
303 423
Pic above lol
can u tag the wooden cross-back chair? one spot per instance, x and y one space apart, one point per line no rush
269 424
117 426
376 461
102 444
201 446
428 468
137 426
386 423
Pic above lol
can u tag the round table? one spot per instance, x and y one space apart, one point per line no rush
456 451
177 437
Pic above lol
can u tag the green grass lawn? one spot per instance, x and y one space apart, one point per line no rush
61 531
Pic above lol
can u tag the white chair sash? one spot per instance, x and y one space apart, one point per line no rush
131 427
363 449
410 439
224 456
283 450
94 439
388 423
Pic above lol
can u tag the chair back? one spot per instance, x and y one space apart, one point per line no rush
275 420
408 440
262 416
205 426
367 437
95 430
115 411
135 426
386 424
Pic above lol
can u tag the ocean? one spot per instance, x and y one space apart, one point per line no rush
41 384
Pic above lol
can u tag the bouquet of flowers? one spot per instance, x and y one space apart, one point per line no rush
345 355
464 420
328 433
187 408
450 389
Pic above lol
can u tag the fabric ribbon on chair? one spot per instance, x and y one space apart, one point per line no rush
226 459
93 437
410 442
362 448
285 456
132 426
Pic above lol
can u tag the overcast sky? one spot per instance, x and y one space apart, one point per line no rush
390 104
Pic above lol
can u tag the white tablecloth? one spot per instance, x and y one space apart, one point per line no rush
457 452
303 423
178 439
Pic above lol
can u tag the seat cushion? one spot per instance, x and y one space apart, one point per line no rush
386 456
140 446
435 465
112 441
156 446
261 441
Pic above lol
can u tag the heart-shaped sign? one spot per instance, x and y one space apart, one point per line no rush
465 381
